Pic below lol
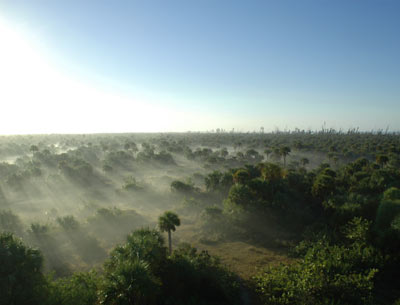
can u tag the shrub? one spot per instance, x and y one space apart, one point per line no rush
181 187
392 193
192 277
9 222
327 275
79 289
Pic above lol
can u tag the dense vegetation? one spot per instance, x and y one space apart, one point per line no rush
137 272
76 213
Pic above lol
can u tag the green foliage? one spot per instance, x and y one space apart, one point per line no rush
21 279
68 223
38 230
9 222
382 159
16 181
212 180
337 205
107 168
357 230
212 213
79 289
111 223
164 157
304 161
323 186
144 244
328 274
392 193
271 172
252 156
139 272
168 221
198 278
387 226
87 247
130 283
181 187
78 170
241 176
41 236
118 159
387 211
130 184
241 195
131 273
284 151
212 218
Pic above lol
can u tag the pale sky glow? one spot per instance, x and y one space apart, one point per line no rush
132 66
36 98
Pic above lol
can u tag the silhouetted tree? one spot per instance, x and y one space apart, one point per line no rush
284 152
267 152
167 223
304 161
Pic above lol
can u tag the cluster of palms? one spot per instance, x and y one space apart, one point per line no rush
351 212
279 152
137 272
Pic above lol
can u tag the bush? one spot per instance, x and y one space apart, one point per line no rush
387 211
392 193
9 222
79 289
181 187
130 184
327 275
198 278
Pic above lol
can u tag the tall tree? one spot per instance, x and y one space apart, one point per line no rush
167 223
304 162
34 148
284 152
267 152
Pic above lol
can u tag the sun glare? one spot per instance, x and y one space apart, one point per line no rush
38 98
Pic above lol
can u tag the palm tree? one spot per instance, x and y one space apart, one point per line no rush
276 153
382 160
304 161
34 148
284 152
167 223
267 152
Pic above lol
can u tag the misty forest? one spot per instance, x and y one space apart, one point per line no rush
295 217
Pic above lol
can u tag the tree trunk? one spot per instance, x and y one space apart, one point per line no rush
169 242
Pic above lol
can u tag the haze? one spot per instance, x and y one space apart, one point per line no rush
199 152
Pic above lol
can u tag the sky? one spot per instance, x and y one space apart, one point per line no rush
99 66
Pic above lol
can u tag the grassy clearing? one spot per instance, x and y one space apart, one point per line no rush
243 257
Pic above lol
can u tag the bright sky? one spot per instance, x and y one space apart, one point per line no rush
143 66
